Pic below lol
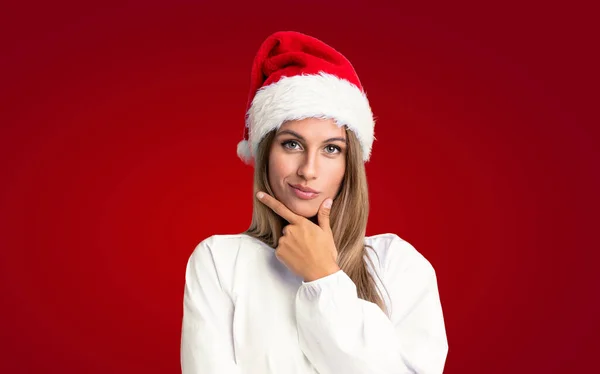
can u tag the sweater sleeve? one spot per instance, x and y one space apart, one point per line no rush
340 333
207 345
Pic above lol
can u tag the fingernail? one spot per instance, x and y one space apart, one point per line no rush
260 195
328 203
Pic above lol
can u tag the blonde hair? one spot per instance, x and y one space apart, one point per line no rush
349 214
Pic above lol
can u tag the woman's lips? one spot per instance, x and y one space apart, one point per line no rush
302 194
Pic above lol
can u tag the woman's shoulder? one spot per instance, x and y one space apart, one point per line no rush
226 246
220 255
228 243
226 240
395 254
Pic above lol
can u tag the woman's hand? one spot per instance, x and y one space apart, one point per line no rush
306 249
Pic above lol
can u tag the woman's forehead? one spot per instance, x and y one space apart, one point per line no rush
314 128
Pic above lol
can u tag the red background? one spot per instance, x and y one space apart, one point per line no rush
119 127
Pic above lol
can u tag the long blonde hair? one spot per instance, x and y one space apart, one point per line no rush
348 217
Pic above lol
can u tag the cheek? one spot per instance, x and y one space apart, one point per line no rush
336 175
278 170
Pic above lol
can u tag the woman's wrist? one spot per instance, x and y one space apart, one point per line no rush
322 273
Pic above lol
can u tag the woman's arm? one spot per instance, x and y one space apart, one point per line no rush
206 339
340 333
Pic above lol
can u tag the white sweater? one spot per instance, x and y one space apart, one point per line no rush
245 312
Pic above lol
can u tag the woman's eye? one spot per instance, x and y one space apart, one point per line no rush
332 149
290 144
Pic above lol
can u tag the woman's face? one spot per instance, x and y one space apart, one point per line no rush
307 155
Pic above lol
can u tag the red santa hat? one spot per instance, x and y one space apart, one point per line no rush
295 76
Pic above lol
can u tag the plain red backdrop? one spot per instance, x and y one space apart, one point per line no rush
119 125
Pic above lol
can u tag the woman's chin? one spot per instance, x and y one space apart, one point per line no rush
304 209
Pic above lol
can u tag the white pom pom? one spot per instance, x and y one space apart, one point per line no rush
244 152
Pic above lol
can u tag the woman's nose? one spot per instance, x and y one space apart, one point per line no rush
308 168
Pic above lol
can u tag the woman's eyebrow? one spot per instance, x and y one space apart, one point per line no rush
343 140
293 133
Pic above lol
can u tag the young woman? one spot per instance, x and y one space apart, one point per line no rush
303 290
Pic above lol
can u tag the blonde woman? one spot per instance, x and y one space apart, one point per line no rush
303 290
